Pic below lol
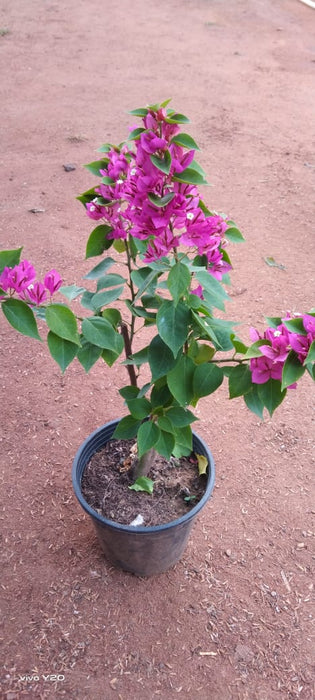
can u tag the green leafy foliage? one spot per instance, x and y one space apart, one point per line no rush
9 258
292 370
62 321
173 323
178 281
148 435
100 332
271 394
98 241
240 381
143 483
180 380
63 351
20 317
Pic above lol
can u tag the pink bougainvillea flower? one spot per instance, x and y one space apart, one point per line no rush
300 344
161 246
52 281
309 324
151 143
198 291
36 293
263 369
17 278
94 210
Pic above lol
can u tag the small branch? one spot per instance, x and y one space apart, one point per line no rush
128 351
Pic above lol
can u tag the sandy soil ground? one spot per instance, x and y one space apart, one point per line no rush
233 618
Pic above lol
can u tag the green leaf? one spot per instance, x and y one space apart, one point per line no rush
88 354
214 288
173 324
234 235
144 279
292 370
165 424
63 351
240 381
138 358
105 148
311 354
160 395
143 483
271 394
165 444
101 299
223 331
176 118
86 300
129 392
87 196
20 317
254 351
98 241
186 141
183 442
295 325
99 269
190 176
180 417
113 316
207 378
10 258
273 321
163 164
140 112
127 428
205 354
72 292
136 133
96 166
161 358
61 321
161 201
109 356
239 346
254 402
180 380
100 332
148 435
111 280
139 408
178 281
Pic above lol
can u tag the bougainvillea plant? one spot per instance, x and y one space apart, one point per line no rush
153 223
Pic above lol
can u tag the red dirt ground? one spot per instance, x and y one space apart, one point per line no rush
233 618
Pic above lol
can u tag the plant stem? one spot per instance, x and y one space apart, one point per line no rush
128 351
143 465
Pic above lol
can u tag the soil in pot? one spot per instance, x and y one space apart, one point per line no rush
105 481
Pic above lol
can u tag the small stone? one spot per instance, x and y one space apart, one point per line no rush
68 167
228 552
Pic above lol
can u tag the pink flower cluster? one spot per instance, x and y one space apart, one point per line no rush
21 280
135 182
281 342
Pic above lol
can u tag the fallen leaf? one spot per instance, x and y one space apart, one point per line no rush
272 263
202 464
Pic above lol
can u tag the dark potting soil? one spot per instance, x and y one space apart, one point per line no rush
108 475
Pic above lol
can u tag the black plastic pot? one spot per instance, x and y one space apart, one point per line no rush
144 551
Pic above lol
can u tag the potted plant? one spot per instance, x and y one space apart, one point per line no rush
163 273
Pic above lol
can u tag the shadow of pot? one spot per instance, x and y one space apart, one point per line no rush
144 551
